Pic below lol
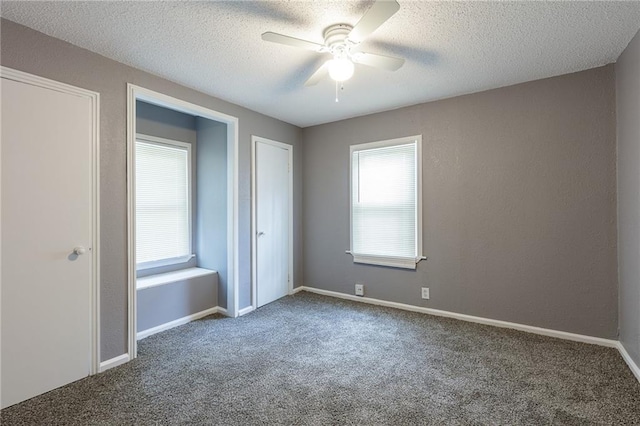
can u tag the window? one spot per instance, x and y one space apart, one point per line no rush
386 208
163 202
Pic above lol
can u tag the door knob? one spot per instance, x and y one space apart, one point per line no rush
79 250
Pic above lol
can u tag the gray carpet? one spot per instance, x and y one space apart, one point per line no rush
313 360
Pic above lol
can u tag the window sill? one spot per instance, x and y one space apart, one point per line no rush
393 262
164 262
171 277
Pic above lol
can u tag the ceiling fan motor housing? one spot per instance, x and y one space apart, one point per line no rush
335 37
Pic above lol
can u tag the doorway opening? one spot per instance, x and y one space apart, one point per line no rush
182 169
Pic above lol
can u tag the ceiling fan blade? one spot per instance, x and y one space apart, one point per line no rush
378 61
379 12
292 41
317 76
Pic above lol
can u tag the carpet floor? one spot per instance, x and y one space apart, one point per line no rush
313 360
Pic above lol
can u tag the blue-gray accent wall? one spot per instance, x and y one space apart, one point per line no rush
211 206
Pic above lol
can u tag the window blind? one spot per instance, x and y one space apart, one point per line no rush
162 202
384 201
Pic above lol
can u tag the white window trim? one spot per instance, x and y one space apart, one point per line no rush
187 146
396 262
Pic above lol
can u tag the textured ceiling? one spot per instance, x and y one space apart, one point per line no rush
451 48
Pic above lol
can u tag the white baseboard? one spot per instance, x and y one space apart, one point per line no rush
223 311
480 320
113 362
245 311
180 321
635 369
296 290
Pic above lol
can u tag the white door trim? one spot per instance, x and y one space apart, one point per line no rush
289 148
140 93
94 98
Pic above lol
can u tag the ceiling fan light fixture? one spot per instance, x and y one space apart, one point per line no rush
340 69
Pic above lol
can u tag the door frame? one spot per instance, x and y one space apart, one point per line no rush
135 93
94 98
254 272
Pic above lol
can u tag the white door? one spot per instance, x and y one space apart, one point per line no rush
272 199
46 213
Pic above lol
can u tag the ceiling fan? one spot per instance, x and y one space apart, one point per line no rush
341 41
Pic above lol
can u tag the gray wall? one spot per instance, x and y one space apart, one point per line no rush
628 115
211 208
153 120
162 304
33 52
519 194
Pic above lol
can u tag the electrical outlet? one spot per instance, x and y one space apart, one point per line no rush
359 289
425 292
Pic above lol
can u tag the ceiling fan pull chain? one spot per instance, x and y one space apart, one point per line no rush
337 100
